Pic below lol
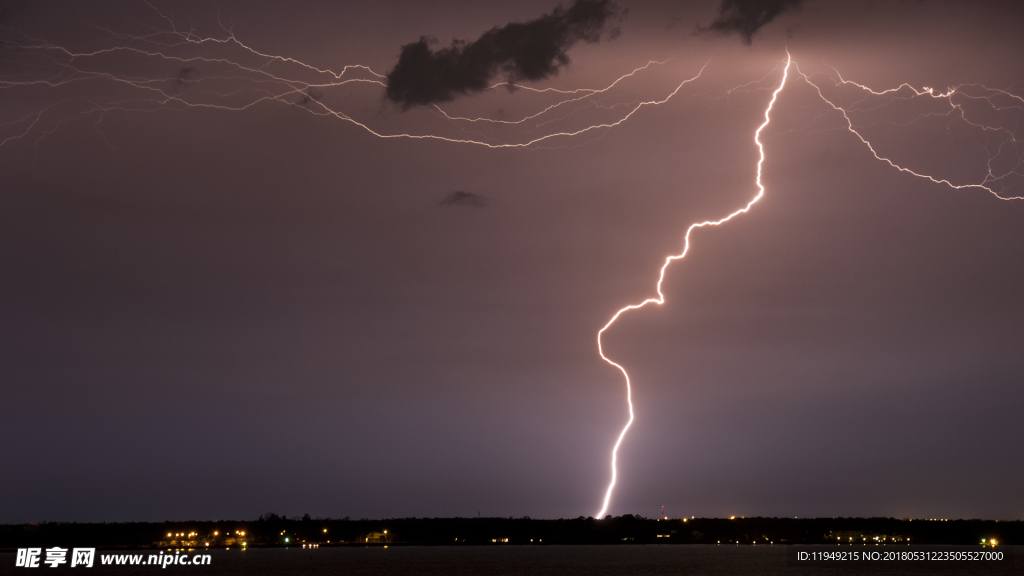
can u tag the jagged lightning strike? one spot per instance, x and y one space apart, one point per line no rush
660 299
252 84
990 178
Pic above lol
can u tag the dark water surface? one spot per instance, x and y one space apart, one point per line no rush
520 560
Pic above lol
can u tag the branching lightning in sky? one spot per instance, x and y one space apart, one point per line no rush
244 81
991 178
587 93
239 77
660 299
1004 179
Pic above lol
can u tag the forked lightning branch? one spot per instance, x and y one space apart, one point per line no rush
242 78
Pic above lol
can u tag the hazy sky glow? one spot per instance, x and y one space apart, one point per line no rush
212 313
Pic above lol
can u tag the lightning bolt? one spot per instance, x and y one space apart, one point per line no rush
988 183
660 299
253 84
990 178
250 84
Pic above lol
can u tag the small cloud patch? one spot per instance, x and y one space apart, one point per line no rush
463 198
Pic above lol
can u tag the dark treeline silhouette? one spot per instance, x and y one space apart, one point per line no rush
274 530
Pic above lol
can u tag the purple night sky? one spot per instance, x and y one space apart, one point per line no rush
210 313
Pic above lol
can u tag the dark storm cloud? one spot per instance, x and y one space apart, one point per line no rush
746 17
519 51
462 198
